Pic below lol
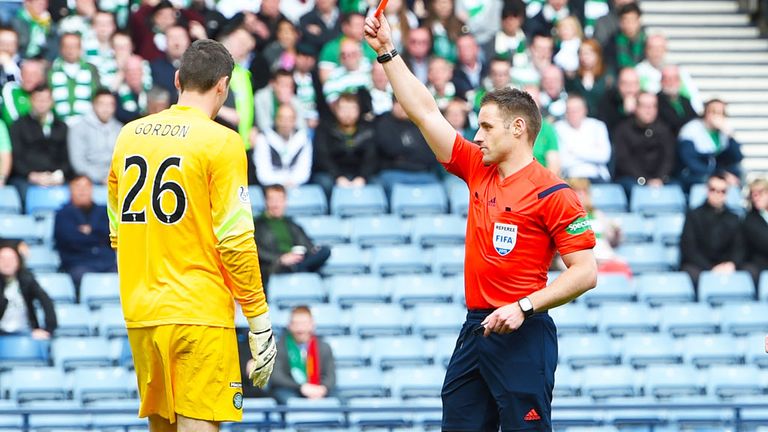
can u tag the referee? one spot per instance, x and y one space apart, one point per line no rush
501 373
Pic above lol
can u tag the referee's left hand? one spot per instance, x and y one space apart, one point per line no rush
503 320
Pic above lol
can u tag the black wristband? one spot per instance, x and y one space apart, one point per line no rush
387 56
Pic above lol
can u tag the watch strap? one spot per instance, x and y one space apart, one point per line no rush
387 56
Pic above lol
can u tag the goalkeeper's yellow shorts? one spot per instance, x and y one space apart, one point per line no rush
189 370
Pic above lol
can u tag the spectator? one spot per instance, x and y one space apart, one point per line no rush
551 13
91 140
270 17
381 93
73 81
345 152
131 93
675 110
607 26
539 58
499 76
469 71
712 236
33 25
352 76
649 71
21 296
330 54
569 35
627 48
165 65
16 95
158 99
553 96
284 247
456 113
9 56
321 24
439 81
81 232
150 23
401 21
585 149
98 51
483 18
122 50
707 146
417 49
510 42
295 9
644 149
307 81
39 145
590 79
281 90
618 104
281 53
240 43
446 28
283 155
755 228
304 366
546 149
403 154
81 22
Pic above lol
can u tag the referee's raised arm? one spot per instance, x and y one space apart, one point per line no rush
410 92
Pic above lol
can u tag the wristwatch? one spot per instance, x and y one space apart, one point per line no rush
526 306
387 56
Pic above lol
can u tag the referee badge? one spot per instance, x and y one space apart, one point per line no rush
504 238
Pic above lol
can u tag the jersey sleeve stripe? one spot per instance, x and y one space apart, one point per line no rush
112 218
240 215
550 190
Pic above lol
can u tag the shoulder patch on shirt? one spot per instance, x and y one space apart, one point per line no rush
552 189
504 238
243 195
579 226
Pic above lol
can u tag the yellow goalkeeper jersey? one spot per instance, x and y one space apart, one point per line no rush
180 220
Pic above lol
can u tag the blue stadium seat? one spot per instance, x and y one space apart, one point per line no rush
74 320
688 318
356 201
754 350
588 350
650 349
349 351
313 420
306 200
443 346
256 414
651 200
416 381
19 350
458 196
110 322
567 382
58 286
69 418
346 290
9 200
292 289
397 351
27 383
347 259
10 421
611 287
71 353
325 230
115 421
730 381
99 289
100 194
708 350
718 288
733 198
412 200
393 260
46 199
90 384
409 290
369 231
20 227
668 228
634 227
427 420
610 381
429 231
256 195
574 318
644 258
762 291
43 259
744 318
361 382
609 197
621 319
661 288
448 260
379 320
386 418
120 352
330 320
433 320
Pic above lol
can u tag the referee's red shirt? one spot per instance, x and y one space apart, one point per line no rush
514 227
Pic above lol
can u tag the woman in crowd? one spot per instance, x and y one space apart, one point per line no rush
20 296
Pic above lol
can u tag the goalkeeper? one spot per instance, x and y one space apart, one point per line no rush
180 219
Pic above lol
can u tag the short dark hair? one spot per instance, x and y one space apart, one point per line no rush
67 34
40 88
349 97
347 17
514 8
719 175
101 91
629 8
274 187
80 176
203 64
708 103
514 102
301 309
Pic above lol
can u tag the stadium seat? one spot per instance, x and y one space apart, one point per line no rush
115 420
71 353
370 231
312 420
649 200
588 350
609 197
650 349
256 414
645 258
427 420
9 200
440 230
361 382
744 318
733 198
610 381
20 227
708 350
574 318
382 413
58 286
689 318
668 228
662 288
621 319
567 382
99 289
754 350
443 347
409 290
330 320
70 417
110 322
459 198
412 200
19 350
43 259
762 291
356 201
611 287
730 381
256 195
448 260
10 421
634 228
306 200
416 381
346 290
90 384
120 352
379 320
347 259
325 230
46 199
292 289
439 319
100 194
399 351
26 383
394 260
349 351
719 288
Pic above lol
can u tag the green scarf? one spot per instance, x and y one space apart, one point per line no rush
303 370
629 52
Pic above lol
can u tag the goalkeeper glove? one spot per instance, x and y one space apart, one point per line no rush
263 349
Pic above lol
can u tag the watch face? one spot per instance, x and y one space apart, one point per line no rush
525 304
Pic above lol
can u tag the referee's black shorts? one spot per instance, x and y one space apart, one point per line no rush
501 380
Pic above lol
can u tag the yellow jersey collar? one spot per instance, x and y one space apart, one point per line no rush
189 110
